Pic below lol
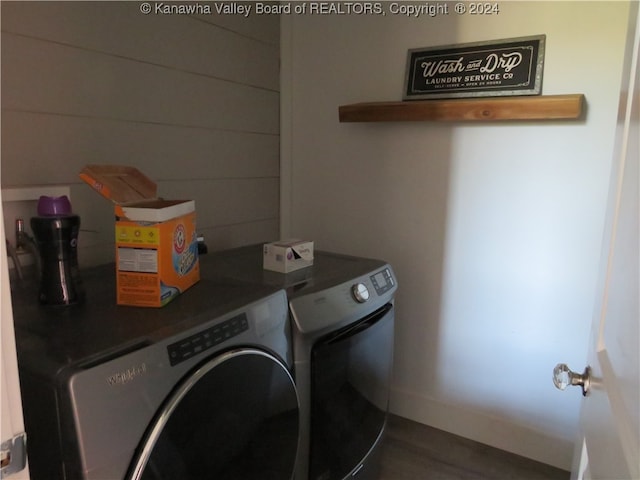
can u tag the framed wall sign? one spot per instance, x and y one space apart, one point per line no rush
485 69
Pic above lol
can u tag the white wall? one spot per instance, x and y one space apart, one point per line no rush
494 229
190 100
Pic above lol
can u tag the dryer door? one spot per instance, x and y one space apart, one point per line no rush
235 417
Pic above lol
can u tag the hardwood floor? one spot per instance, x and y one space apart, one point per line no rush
412 451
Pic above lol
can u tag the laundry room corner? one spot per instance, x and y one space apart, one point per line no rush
494 228
356 283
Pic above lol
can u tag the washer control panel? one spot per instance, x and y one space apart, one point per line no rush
201 341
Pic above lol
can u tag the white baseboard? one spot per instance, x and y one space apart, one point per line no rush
480 427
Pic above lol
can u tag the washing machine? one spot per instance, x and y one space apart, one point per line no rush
342 312
201 388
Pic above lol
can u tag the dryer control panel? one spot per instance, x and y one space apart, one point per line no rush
382 281
342 303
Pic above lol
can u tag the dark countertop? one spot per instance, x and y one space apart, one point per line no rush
51 338
328 269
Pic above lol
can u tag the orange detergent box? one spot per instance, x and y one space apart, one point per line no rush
156 240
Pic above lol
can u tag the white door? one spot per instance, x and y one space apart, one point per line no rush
609 444
11 423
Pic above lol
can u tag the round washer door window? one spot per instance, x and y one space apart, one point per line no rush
235 417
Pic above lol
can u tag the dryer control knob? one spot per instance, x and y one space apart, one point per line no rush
360 292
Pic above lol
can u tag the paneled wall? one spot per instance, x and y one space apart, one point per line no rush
190 100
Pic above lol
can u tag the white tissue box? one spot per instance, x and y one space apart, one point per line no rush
285 256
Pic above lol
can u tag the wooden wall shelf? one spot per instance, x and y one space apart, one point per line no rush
548 107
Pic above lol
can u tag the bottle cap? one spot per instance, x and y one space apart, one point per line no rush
54 206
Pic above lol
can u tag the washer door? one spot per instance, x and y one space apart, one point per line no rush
235 417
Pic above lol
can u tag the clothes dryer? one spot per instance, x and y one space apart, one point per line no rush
201 388
342 311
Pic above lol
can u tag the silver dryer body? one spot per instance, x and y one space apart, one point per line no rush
342 349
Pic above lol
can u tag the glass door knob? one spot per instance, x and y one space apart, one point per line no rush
563 377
